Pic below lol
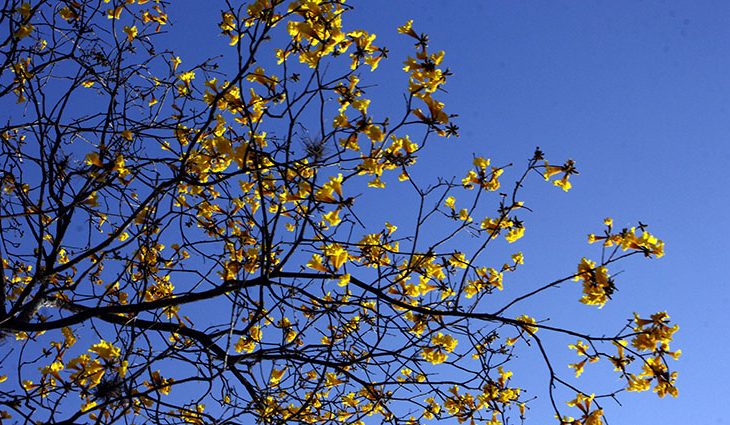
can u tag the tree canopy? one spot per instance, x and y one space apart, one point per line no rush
191 242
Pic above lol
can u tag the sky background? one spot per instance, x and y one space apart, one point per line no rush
638 94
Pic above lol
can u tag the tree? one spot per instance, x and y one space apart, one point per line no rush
191 244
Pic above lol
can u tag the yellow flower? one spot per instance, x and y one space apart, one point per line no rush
349 400
255 333
432 408
583 403
458 259
407 29
514 234
68 14
526 322
53 369
228 22
327 191
245 344
275 377
92 200
344 279
122 369
447 342
187 77
567 169
340 121
175 61
127 134
637 384
376 183
105 350
23 31
464 215
333 217
482 163
580 347
597 284
70 338
93 159
440 345
578 367
563 183
391 228
115 13
495 420
162 385
88 405
331 379
336 255
131 32
450 202
433 355
316 263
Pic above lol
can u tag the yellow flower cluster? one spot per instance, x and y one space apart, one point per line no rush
399 153
498 391
627 239
25 28
105 350
320 34
482 177
440 345
374 250
486 278
425 77
653 332
248 343
588 416
190 416
329 189
427 268
21 69
87 372
654 335
597 284
566 169
581 349
495 396
159 383
515 229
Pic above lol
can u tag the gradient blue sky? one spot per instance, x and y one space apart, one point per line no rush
638 94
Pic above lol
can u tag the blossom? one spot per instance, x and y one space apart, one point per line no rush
131 32
440 345
105 350
567 169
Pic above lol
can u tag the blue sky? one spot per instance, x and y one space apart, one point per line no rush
638 94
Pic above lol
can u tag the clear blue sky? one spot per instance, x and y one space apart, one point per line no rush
638 94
